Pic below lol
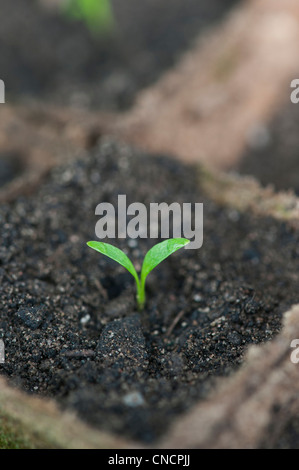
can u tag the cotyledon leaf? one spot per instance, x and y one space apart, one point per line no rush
158 253
116 254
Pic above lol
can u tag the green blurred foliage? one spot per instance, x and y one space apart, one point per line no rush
96 14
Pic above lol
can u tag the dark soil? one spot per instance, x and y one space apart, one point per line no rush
288 438
45 56
272 155
68 314
11 166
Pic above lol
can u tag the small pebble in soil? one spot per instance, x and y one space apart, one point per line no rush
84 320
122 345
197 298
234 338
32 317
133 399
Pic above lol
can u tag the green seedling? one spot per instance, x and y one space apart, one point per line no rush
153 257
96 14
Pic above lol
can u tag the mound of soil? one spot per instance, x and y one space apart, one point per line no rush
68 315
46 56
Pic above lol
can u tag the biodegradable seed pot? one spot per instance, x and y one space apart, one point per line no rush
201 352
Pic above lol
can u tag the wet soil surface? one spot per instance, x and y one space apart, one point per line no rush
68 316
46 56
272 155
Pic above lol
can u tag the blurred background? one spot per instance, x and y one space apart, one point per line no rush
50 53
231 108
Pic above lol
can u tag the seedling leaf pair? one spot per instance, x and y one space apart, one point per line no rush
153 257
